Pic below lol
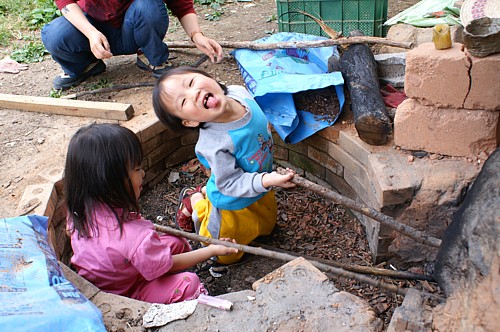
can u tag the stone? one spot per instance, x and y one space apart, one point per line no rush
470 242
391 68
411 315
468 260
294 297
485 85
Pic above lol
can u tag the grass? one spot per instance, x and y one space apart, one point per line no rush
20 24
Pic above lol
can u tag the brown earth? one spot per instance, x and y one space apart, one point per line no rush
31 142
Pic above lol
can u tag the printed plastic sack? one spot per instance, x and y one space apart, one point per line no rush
428 13
273 76
34 294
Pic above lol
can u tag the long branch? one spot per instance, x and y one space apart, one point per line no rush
284 257
252 45
417 235
112 88
354 267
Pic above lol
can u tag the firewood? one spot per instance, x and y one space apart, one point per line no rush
353 267
371 118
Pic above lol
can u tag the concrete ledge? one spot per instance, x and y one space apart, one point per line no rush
40 199
294 297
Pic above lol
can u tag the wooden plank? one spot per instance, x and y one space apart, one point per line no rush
93 109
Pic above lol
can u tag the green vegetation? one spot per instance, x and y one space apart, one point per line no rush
45 12
28 53
55 93
214 7
271 18
102 83
21 21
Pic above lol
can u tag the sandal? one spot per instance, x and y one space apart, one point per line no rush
182 221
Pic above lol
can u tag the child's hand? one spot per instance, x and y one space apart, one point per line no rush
279 180
220 250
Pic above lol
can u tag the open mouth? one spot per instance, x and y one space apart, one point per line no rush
205 100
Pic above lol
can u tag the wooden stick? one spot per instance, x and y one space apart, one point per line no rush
417 235
252 45
353 267
109 89
284 257
103 110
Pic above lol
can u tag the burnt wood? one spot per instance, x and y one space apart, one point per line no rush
371 118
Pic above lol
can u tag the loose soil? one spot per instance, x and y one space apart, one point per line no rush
32 143
322 103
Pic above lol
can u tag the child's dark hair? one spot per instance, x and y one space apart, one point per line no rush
161 111
96 172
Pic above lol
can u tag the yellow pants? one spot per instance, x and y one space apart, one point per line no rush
243 225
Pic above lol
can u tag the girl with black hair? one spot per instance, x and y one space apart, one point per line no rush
114 247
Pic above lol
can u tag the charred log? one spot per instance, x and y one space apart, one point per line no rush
371 118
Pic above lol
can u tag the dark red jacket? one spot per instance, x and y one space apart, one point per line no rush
113 11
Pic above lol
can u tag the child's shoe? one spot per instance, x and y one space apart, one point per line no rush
182 220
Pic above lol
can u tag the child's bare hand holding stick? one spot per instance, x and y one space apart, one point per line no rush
189 259
279 180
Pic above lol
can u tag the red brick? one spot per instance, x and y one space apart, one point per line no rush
447 131
485 85
325 160
318 142
307 164
163 152
437 77
330 133
280 152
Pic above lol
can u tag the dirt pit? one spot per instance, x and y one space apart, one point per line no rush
308 225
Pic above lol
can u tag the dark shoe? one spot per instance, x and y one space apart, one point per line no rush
143 63
64 81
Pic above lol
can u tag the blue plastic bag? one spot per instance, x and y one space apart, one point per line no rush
34 294
272 76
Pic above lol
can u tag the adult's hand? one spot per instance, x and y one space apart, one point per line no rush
99 45
208 46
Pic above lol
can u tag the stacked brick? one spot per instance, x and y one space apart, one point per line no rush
454 103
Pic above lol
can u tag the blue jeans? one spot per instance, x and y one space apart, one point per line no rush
144 27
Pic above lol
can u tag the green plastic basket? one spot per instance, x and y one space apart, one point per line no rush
341 15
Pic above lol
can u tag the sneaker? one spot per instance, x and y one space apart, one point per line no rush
143 63
64 81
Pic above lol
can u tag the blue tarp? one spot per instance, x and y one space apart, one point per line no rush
273 76
34 294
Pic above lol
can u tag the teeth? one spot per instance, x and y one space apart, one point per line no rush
206 100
